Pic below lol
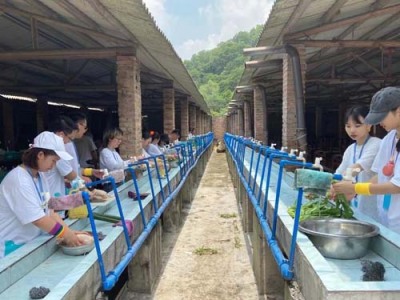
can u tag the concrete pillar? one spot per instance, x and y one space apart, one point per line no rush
184 119
8 125
198 121
192 118
289 116
240 121
145 267
129 105
247 118
260 115
41 115
266 272
169 109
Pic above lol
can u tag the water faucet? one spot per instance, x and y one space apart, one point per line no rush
283 149
349 174
317 163
272 146
301 156
293 151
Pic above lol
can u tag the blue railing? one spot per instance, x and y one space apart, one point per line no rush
109 279
237 148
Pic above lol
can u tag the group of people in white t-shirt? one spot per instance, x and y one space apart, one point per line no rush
376 191
46 167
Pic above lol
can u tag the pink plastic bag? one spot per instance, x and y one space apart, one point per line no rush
66 202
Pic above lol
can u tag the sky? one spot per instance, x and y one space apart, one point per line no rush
195 25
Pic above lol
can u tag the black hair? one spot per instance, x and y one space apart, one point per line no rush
29 157
63 124
155 136
355 113
175 131
145 135
164 138
111 133
77 117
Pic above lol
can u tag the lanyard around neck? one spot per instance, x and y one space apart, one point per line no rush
39 189
362 149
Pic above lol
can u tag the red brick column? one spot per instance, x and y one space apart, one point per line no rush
247 118
129 105
41 115
192 117
260 115
184 119
289 116
198 121
240 121
169 109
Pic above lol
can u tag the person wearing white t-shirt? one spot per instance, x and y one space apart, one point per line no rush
152 148
109 157
24 214
360 155
384 110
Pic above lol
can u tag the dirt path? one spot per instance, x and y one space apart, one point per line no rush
209 259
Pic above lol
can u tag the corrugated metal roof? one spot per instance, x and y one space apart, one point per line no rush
108 23
307 20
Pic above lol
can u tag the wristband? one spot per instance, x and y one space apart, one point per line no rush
61 233
88 172
362 188
56 229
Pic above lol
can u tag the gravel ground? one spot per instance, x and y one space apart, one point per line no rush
208 257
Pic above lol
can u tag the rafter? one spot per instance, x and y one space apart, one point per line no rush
344 22
332 11
65 54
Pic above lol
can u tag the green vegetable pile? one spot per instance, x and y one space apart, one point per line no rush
322 207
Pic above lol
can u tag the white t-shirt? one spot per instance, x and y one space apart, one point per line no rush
366 204
70 148
55 177
391 217
20 205
153 150
111 160
84 147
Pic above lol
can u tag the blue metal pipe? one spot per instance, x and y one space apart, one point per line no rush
251 164
283 263
114 275
282 164
257 168
270 160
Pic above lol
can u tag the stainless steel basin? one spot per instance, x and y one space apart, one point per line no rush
340 238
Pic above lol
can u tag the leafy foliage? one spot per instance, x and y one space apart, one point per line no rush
216 72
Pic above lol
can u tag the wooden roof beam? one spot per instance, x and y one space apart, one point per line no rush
332 11
344 22
65 25
349 43
66 54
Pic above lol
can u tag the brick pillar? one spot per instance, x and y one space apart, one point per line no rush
192 117
169 109
240 121
129 105
289 116
198 121
260 115
184 119
41 115
247 118
8 125
204 119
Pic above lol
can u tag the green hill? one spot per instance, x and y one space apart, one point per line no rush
216 72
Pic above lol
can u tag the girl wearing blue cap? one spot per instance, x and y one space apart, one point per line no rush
384 110
360 155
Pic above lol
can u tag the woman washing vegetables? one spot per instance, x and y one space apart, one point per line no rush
24 214
384 110
360 155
